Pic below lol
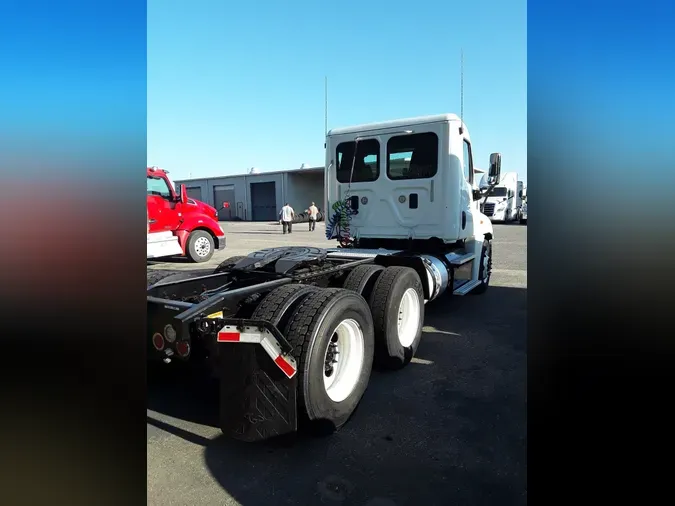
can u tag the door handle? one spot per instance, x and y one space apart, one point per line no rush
152 221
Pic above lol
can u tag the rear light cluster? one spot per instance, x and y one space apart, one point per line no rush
161 342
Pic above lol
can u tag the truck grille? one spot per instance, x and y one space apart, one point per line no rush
488 209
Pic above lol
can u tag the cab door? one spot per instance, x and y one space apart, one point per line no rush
414 180
469 207
161 204
395 181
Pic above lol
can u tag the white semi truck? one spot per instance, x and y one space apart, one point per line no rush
523 209
293 332
504 201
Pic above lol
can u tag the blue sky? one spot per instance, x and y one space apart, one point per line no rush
234 85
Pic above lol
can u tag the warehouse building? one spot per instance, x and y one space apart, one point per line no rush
259 196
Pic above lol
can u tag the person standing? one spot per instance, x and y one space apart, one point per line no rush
287 215
313 212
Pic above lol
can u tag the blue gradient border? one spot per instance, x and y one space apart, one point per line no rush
72 154
601 82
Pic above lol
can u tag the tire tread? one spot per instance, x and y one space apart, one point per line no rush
274 305
360 274
378 298
305 319
378 302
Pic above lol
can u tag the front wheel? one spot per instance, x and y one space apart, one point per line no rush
200 246
485 269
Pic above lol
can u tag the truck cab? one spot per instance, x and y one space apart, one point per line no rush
406 175
504 200
178 225
409 185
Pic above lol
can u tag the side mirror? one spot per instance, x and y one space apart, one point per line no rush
183 194
477 194
495 166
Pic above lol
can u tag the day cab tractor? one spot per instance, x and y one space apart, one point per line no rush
293 333
178 225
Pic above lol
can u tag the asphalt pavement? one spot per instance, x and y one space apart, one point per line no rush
450 429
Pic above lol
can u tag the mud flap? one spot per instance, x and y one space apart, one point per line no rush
257 400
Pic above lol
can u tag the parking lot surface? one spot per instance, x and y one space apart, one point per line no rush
450 429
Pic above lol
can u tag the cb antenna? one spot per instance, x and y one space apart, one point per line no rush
325 104
461 92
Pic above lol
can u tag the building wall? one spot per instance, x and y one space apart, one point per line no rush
301 189
197 184
242 190
298 188
239 184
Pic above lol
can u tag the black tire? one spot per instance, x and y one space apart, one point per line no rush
227 263
309 331
362 279
278 305
523 221
485 280
200 246
385 302
156 275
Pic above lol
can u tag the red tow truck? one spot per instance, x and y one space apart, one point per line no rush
178 225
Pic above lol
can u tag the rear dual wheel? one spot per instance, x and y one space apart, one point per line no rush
396 300
336 335
397 305
331 332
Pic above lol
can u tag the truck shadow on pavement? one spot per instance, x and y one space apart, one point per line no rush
448 429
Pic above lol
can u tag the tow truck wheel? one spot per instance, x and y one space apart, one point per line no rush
485 269
362 279
227 263
333 340
200 246
397 305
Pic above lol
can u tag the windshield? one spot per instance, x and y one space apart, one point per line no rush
499 191
157 186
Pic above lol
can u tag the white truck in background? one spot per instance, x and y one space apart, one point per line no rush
503 203
523 209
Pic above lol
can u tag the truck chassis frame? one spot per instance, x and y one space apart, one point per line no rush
208 314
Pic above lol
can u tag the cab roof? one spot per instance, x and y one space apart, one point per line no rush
156 170
397 123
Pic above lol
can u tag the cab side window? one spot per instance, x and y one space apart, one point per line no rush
468 163
157 186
